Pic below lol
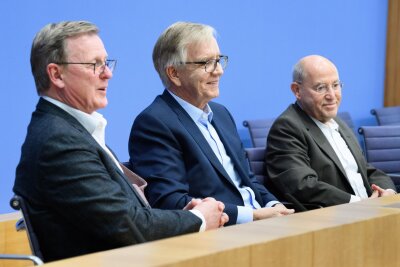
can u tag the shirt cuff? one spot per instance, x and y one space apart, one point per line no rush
245 215
203 220
272 203
354 198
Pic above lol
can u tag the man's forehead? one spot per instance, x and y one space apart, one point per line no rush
203 48
321 73
84 45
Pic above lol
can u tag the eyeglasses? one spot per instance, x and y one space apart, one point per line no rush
98 67
323 88
211 64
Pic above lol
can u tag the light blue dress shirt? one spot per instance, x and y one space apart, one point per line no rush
203 119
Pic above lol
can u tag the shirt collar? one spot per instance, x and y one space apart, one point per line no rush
94 123
331 124
197 115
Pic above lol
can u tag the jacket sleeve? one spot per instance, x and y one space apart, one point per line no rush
258 188
84 185
290 168
158 154
378 177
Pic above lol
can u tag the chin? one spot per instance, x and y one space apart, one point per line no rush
330 112
102 104
216 93
328 117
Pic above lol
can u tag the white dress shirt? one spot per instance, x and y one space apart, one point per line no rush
94 123
331 132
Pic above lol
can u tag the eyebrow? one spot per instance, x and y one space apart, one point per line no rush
335 81
209 58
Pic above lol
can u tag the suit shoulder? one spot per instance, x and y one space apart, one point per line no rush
45 123
343 124
216 106
157 110
220 110
46 129
290 115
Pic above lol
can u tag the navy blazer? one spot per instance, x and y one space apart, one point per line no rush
301 161
78 199
167 149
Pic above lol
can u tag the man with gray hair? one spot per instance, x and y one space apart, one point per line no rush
311 153
78 196
188 147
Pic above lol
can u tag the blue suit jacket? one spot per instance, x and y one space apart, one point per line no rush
78 199
167 149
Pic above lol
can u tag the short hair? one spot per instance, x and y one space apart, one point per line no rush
171 47
49 47
298 72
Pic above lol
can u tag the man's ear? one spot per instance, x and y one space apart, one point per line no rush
173 75
55 74
295 89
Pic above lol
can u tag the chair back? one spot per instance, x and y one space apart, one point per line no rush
387 115
18 203
256 160
258 130
382 149
345 116
256 156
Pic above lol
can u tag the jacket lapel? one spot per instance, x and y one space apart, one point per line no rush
132 181
352 144
194 131
320 138
225 139
49 108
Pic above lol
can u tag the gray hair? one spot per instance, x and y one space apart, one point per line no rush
171 47
49 47
299 73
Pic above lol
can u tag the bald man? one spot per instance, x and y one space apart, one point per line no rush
311 153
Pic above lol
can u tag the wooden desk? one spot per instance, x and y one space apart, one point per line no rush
360 234
11 241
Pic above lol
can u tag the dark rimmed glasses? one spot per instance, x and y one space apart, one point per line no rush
98 67
211 64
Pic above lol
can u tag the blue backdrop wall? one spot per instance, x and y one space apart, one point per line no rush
263 39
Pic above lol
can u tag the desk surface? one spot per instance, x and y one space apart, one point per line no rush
357 234
11 241
10 216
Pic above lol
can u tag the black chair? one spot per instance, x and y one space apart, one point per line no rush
382 149
18 203
387 115
257 165
258 130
